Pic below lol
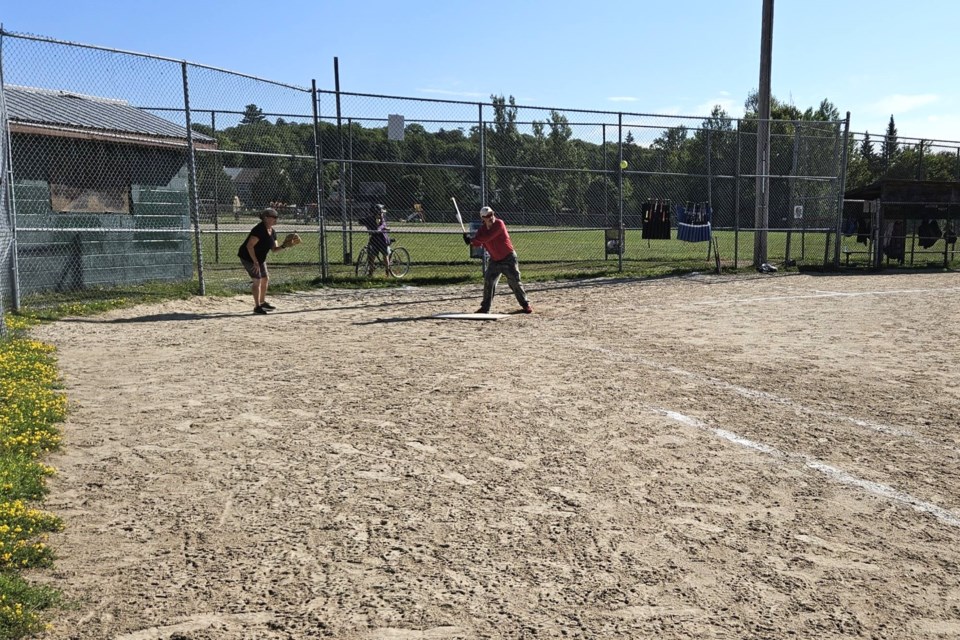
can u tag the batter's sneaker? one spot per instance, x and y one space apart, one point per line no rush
268 306
482 310
527 309
260 311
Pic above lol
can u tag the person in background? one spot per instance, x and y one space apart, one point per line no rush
379 242
261 240
495 239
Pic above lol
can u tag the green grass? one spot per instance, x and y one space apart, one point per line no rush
535 245
544 255
439 256
31 408
21 605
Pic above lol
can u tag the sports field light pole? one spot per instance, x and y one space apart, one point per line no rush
762 213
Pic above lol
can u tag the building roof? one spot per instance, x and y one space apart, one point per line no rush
241 175
61 113
907 191
919 199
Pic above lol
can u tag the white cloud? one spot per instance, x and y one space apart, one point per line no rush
725 102
932 127
900 103
623 99
943 126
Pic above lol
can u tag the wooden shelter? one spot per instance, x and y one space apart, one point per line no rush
899 219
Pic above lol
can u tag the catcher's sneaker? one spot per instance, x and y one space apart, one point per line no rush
268 306
260 311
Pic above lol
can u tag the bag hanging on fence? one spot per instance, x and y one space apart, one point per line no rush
693 223
656 219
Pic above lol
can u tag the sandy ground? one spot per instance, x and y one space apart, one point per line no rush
701 457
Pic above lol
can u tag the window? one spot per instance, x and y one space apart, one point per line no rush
89 177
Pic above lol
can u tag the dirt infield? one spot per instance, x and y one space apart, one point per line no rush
701 457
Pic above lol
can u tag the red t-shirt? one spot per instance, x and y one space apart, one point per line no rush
495 240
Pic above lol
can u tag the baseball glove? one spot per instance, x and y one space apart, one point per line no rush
291 240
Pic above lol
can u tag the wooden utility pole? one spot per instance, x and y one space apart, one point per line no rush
762 213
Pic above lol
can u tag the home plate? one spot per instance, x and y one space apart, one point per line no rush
471 316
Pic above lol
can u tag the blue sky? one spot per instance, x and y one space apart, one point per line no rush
874 58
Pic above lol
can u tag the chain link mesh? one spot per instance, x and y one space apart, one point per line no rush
927 240
104 193
6 223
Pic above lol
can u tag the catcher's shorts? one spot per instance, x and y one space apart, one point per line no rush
253 274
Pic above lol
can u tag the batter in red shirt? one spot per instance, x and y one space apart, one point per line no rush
495 239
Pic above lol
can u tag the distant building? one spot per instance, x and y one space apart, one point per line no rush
243 181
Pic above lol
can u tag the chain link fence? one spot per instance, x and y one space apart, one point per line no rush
918 233
582 188
127 168
7 269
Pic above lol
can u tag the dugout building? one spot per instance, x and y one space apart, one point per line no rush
99 191
897 221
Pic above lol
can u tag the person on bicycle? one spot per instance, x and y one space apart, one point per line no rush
379 241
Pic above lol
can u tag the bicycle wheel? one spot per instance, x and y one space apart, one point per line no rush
362 267
399 262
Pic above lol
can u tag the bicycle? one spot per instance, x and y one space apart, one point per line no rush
399 262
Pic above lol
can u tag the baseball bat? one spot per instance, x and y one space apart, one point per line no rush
459 217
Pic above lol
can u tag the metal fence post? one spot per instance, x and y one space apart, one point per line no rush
603 157
920 160
483 157
318 176
620 231
347 258
792 202
216 193
736 204
6 193
841 188
4 219
192 193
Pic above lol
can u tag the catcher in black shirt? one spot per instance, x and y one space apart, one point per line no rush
261 240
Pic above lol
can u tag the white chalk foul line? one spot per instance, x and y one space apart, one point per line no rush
835 474
756 394
828 294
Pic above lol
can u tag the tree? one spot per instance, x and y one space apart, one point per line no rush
866 148
535 196
504 116
213 183
504 145
870 158
779 110
826 112
941 166
601 201
273 185
411 188
252 114
889 147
